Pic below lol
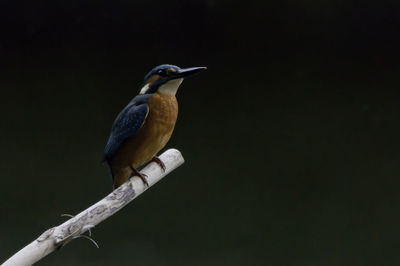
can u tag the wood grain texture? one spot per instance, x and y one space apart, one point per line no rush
60 235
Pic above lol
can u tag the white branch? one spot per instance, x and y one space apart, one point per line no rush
62 234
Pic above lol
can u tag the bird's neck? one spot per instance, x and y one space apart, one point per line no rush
170 87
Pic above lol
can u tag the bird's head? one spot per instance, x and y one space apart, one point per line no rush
166 79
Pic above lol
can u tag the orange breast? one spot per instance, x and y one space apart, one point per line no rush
151 138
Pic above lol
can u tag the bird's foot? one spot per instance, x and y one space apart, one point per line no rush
140 175
158 161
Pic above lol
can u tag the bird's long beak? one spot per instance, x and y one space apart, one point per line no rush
186 72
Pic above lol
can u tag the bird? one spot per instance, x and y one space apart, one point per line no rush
146 124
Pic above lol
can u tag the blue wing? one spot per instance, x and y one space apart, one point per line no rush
127 124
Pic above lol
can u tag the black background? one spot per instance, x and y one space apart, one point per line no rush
290 137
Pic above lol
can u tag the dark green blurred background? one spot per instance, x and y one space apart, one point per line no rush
291 137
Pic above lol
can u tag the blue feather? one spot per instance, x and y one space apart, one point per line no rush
127 124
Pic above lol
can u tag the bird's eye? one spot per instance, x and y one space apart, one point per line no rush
161 72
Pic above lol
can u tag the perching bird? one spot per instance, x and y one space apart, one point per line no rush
145 125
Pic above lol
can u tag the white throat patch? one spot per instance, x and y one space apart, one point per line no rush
171 87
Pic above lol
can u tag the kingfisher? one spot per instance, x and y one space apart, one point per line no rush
146 124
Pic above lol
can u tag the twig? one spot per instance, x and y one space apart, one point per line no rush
60 235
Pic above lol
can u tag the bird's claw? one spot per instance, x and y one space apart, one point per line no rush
140 175
143 177
158 161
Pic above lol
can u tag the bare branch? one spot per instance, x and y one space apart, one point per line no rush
60 235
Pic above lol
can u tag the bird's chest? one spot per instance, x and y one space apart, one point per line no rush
160 122
152 137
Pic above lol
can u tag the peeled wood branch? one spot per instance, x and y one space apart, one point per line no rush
58 236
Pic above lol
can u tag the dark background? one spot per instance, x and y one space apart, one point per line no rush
291 137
